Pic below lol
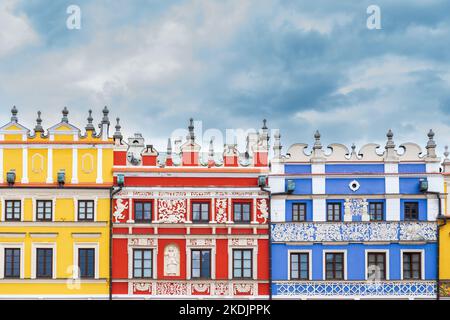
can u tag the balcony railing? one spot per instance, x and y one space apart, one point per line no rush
422 289
354 231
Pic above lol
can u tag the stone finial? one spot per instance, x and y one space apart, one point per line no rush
317 143
105 119
89 125
277 145
390 142
191 135
431 145
446 153
211 147
65 113
118 135
353 148
264 127
14 114
169 147
38 127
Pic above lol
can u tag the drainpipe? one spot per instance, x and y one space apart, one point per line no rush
112 193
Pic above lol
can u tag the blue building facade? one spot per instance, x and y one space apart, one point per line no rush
356 225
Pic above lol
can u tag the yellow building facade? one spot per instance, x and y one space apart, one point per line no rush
444 234
54 209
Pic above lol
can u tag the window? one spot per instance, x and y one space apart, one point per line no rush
242 263
376 211
241 212
201 264
44 210
299 212
142 211
334 211
44 263
86 262
300 266
12 263
142 263
86 210
13 210
412 265
334 266
411 211
376 265
200 212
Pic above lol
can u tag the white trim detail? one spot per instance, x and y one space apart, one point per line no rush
309 252
422 261
324 252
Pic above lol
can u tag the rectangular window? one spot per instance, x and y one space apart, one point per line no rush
201 264
300 266
333 211
13 210
376 211
411 211
44 210
412 265
12 263
86 262
376 265
242 263
86 210
142 212
299 212
241 212
334 266
200 212
142 263
44 263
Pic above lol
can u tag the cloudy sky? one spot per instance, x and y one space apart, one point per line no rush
303 65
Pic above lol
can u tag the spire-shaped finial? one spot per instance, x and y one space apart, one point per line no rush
277 144
38 127
14 114
169 147
65 113
431 143
90 126
353 147
390 143
317 143
118 134
446 153
105 115
264 124
191 136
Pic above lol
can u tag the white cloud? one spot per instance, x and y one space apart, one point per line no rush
15 30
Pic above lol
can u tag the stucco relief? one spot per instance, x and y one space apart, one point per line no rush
171 260
172 211
120 209
221 210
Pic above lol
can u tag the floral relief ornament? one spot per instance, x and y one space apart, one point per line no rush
172 211
221 210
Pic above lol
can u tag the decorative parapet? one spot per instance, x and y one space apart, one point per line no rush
354 289
354 231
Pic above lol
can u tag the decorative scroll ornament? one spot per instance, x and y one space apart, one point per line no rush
221 288
243 288
172 211
263 209
221 210
142 287
201 287
121 206
171 288
356 207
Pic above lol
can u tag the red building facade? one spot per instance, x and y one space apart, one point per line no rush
189 224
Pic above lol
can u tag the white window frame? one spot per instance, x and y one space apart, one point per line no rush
422 262
42 245
3 209
86 245
12 245
36 199
254 261
189 261
366 260
309 252
131 262
75 206
324 252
